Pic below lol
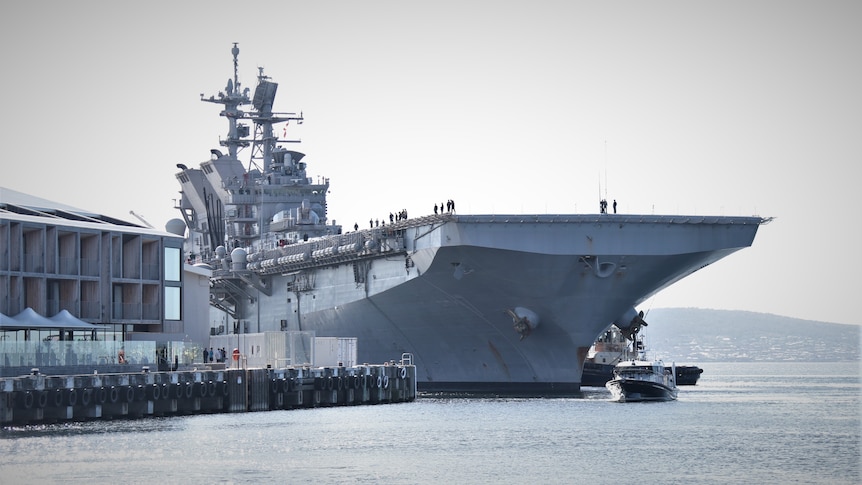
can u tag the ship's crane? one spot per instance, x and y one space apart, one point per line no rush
140 218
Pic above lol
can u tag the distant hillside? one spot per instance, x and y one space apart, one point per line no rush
699 335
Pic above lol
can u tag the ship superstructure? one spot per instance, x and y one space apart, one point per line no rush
485 303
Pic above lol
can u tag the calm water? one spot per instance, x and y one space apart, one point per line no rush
742 423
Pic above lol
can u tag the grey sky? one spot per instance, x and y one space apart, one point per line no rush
733 108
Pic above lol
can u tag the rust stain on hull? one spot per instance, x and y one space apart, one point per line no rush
499 358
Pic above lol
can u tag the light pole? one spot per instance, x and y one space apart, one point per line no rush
260 241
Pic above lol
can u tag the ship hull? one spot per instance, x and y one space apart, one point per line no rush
443 295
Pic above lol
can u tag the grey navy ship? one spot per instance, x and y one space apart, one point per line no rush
505 304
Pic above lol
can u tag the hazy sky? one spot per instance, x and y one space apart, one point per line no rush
732 108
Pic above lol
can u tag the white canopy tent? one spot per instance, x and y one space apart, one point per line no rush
30 320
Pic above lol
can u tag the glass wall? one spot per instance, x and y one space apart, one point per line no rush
43 353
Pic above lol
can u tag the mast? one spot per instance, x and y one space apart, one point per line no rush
606 170
265 118
232 98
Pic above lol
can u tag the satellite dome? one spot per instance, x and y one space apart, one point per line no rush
176 226
238 255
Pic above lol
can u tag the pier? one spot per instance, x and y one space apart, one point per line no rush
37 398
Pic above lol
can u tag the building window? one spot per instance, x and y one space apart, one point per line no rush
173 264
172 303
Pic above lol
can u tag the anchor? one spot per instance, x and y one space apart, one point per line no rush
524 320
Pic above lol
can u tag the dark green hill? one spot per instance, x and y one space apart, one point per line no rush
701 335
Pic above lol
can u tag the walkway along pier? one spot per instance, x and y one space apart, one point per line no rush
38 398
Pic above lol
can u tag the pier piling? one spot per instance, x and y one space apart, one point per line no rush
38 398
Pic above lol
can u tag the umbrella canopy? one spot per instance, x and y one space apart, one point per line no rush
30 320
64 319
6 321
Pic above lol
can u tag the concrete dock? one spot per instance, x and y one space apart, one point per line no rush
37 398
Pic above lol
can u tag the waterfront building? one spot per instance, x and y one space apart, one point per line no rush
69 276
